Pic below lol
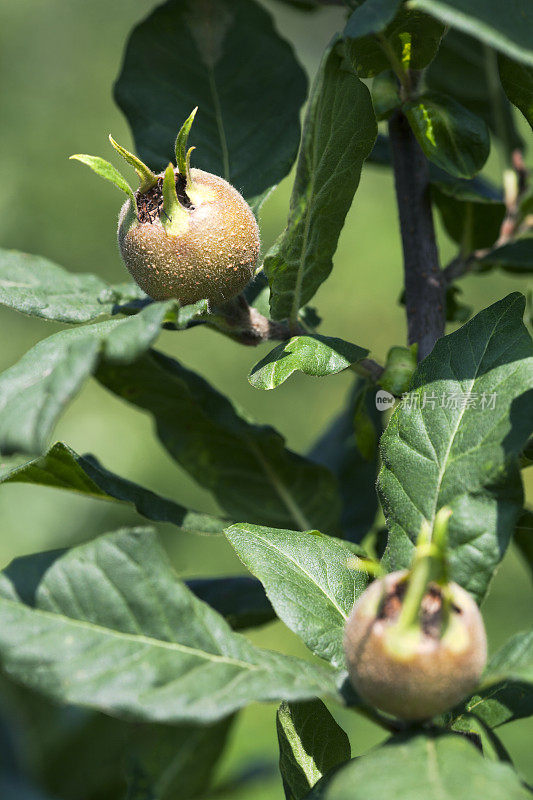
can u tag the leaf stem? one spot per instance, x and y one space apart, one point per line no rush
424 284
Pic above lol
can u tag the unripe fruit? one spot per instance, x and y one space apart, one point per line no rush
209 252
421 672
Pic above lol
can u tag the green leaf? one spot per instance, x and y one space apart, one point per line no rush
62 468
468 71
147 179
454 441
339 133
471 219
313 355
517 80
409 41
513 257
339 450
513 661
246 466
34 391
36 286
385 95
484 737
107 171
372 16
504 26
451 136
226 57
307 579
445 767
310 745
523 536
133 641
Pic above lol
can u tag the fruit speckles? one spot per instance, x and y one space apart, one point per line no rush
440 667
215 255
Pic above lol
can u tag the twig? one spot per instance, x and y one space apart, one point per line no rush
424 283
246 325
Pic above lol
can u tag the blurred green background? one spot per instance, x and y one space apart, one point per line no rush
58 63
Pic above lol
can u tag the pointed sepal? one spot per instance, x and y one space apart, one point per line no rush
147 178
175 218
107 171
183 156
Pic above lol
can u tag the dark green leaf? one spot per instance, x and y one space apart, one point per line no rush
34 391
385 94
471 219
246 466
307 579
410 41
313 355
339 133
513 257
133 641
372 16
36 286
504 26
451 136
456 310
310 745
339 450
445 767
468 70
454 441
523 536
226 57
517 80
62 468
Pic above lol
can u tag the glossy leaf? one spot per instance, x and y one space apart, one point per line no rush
446 767
517 80
409 41
467 70
339 133
451 136
62 468
226 57
246 466
310 745
133 641
339 450
314 355
513 257
455 442
504 26
471 219
38 287
307 579
35 390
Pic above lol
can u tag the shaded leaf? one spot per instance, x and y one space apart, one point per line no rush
313 355
467 69
339 450
523 536
504 26
484 737
339 133
307 579
451 136
62 468
471 219
200 52
38 287
513 257
133 641
246 466
372 16
456 442
411 40
310 745
517 80
34 391
445 767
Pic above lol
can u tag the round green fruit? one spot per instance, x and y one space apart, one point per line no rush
421 672
208 249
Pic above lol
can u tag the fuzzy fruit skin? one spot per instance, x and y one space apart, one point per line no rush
421 684
214 257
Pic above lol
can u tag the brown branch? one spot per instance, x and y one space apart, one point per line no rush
424 283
